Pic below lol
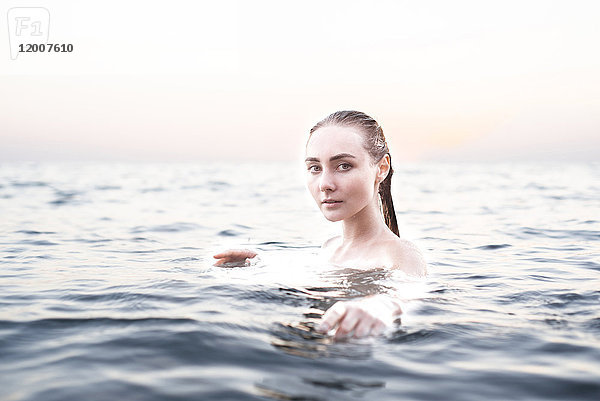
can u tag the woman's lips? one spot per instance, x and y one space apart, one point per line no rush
331 204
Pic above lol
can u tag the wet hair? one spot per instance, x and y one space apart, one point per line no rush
376 145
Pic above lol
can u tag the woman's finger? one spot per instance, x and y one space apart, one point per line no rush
231 253
220 262
377 328
348 322
363 329
235 254
332 316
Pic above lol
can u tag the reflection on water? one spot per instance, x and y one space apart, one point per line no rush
323 387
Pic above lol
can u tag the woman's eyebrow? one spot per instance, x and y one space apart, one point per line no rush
332 158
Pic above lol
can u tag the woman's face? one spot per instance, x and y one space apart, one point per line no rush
339 171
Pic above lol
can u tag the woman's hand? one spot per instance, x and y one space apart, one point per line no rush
364 317
234 257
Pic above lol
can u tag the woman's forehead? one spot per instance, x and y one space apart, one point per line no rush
332 140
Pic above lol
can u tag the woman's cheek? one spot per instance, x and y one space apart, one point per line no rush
314 190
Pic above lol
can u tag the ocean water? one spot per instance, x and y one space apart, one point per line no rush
107 289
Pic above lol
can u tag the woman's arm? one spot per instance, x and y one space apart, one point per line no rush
234 258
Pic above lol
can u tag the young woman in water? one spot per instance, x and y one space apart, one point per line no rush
349 174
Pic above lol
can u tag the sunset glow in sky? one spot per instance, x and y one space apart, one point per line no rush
190 80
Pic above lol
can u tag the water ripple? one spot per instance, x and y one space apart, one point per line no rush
175 227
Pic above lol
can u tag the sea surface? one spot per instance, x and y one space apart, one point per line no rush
108 292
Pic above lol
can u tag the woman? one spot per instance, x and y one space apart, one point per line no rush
349 174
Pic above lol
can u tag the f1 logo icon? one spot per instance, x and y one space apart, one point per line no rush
27 25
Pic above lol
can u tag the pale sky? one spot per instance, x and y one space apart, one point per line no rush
194 80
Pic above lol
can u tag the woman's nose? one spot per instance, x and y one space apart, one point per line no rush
326 182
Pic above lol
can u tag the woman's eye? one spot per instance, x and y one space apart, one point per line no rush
345 166
313 169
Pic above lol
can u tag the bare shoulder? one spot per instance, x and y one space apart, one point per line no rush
407 257
330 241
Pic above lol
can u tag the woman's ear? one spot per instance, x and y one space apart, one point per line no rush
383 167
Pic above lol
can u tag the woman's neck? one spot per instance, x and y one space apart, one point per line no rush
364 226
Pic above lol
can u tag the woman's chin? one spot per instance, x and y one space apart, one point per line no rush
332 217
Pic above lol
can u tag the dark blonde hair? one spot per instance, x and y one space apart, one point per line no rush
376 145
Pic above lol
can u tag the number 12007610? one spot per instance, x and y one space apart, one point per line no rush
45 48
